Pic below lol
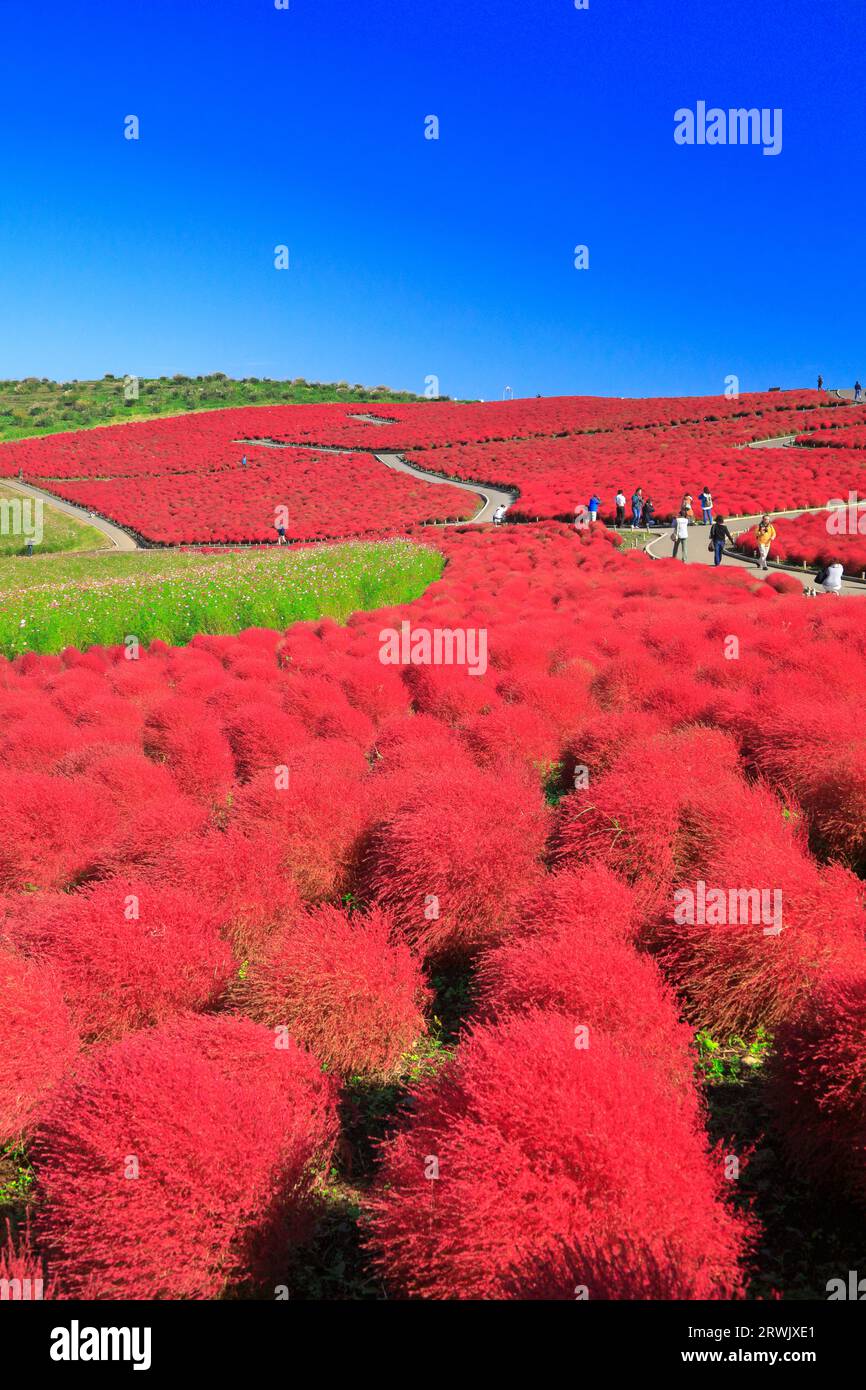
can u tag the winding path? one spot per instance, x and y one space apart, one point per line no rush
490 497
120 539
493 497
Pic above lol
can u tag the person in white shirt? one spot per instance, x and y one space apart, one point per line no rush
829 581
499 515
680 534
619 501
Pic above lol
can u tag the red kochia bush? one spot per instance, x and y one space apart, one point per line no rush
699 799
54 831
818 1082
570 952
784 583
152 814
261 736
315 815
37 1040
178 1162
182 733
120 971
453 860
531 1167
344 987
239 879
736 975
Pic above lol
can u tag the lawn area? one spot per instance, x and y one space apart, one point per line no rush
82 601
60 533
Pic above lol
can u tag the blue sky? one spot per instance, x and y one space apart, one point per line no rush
409 257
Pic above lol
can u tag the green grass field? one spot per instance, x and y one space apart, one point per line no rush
60 533
37 406
51 603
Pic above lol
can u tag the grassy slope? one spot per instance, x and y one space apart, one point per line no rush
49 604
34 406
60 533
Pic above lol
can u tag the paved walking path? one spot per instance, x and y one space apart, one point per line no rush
489 497
492 497
118 538
662 548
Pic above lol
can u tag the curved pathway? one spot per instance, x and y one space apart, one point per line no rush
118 538
489 496
779 441
492 497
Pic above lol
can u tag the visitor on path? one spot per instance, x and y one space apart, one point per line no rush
499 514
828 580
636 508
858 391
765 534
620 508
680 534
281 536
820 383
244 461
593 506
649 511
706 501
719 534
687 509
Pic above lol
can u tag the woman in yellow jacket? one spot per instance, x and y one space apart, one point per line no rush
765 534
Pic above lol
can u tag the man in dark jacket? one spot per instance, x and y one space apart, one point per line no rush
719 535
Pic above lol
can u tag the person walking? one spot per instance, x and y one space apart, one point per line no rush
281 536
719 534
680 534
706 501
858 391
636 507
765 534
620 508
820 383
244 461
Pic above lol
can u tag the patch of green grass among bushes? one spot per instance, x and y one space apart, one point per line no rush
172 595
